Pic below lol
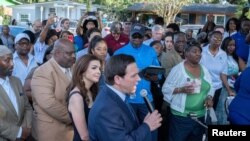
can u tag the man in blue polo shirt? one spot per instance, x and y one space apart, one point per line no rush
144 56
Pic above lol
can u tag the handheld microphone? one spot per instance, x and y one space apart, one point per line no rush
144 94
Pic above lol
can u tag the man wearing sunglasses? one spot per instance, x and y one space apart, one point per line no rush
144 56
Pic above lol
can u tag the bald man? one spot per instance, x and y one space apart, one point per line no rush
15 110
48 85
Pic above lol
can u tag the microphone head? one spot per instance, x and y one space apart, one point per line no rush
143 93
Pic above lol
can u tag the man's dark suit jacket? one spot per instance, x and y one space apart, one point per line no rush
110 120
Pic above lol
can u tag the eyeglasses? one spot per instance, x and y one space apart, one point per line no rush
23 43
137 36
127 23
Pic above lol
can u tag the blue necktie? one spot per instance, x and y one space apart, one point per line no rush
130 109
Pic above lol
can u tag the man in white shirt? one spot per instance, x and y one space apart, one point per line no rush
15 110
23 61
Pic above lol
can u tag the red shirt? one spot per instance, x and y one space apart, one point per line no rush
113 44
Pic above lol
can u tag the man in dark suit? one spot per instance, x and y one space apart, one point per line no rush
111 117
15 110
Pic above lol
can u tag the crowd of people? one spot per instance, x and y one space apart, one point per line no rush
57 86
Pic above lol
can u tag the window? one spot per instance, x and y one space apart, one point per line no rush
185 18
82 11
24 18
220 20
52 11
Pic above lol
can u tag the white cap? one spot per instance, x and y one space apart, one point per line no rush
21 36
4 50
91 18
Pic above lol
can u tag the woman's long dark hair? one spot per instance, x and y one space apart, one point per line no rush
236 21
93 43
224 46
80 68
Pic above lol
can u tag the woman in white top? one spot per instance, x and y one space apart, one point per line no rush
215 60
232 26
228 78
188 88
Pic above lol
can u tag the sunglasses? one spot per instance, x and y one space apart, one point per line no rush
137 36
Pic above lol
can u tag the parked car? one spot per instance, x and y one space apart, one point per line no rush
14 30
194 27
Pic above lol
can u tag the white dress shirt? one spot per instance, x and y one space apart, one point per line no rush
10 93
20 69
120 94
8 89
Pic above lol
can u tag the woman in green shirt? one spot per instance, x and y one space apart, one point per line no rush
188 89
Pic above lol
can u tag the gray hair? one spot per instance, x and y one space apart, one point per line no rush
157 27
179 34
4 50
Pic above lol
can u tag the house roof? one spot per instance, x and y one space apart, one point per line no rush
141 7
227 9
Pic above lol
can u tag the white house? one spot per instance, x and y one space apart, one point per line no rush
66 9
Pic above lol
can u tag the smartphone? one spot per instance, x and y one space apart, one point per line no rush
91 13
71 38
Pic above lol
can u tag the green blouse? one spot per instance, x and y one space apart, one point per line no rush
195 101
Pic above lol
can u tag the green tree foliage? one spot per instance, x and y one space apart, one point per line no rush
6 18
218 1
168 9
116 8
115 5
237 2
243 6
